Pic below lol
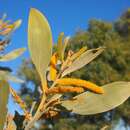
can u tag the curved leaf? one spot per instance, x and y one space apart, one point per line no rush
12 55
17 24
39 41
4 93
83 60
90 103
5 75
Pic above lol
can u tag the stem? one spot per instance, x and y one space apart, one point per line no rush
37 114
32 108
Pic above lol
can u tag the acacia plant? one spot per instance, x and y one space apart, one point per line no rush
54 69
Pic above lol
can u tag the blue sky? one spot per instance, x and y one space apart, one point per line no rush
63 15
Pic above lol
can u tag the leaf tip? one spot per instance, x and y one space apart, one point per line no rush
17 23
34 11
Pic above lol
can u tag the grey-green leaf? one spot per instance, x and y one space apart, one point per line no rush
12 55
83 60
90 103
5 75
4 93
39 41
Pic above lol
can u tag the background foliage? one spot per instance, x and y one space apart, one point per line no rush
112 65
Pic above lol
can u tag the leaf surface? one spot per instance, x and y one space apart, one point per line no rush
39 41
89 103
5 75
12 55
83 60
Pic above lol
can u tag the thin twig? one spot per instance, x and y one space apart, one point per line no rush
37 114
32 108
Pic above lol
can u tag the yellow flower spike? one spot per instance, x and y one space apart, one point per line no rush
18 99
65 89
54 60
21 103
82 83
11 26
53 71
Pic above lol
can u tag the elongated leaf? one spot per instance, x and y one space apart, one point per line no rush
80 52
5 75
12 55
39 41
83 60
17 24
60 45
90 103
4 93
